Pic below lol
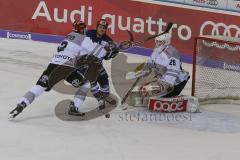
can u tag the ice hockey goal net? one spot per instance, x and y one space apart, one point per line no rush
216 70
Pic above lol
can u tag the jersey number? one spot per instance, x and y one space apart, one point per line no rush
172 62
62 46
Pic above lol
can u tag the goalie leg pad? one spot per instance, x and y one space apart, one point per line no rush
176 104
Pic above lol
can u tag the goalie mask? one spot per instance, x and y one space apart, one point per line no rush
163 40
79 27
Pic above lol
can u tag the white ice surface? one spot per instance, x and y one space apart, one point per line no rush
38 134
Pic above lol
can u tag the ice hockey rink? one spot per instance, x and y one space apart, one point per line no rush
38 134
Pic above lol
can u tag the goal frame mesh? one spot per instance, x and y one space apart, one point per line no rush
219 39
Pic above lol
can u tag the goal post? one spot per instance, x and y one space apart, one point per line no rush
216 69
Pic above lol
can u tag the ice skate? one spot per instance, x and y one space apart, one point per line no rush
17 110
109 99
101 104
74 110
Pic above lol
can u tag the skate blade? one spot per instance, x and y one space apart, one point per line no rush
11 117
79 115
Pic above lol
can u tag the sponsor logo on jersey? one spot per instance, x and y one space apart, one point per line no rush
212 29
167 106
62 57
17 35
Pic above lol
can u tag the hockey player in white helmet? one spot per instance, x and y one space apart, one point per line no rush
170 78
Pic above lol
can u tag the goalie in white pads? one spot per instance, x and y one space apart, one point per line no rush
169 80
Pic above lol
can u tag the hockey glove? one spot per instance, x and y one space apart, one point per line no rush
112 50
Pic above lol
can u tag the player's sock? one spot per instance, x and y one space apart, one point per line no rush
78 101
80 96
34 92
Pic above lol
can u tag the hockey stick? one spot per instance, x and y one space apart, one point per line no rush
126 44
131 43
130 90
169 26
130 36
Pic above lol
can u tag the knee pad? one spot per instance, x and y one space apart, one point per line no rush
43 81
76 78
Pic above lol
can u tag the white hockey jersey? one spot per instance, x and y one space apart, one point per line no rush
165 63
75 45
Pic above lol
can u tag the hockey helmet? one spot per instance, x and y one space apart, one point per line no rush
79 26
164 39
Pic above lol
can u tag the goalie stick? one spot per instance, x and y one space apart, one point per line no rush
169 26
131 43
130 90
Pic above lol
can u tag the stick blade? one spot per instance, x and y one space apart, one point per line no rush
130 35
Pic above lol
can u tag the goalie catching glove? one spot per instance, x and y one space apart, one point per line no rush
113 49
